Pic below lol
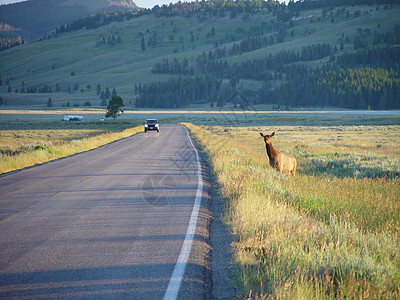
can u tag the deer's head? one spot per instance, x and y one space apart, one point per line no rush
267 138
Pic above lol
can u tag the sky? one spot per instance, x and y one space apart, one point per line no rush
140 3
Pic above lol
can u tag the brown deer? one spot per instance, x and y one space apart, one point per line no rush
284 163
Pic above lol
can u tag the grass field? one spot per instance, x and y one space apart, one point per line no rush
330 232
24 144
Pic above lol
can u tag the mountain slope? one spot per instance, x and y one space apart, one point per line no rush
34 18
250 52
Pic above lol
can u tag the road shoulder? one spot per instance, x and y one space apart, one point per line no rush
210 257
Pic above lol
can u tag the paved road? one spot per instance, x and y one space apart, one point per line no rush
107 223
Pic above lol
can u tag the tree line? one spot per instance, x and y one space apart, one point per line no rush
314 4
362 88
202 9
257 69
365 78
7 43
177 92
379 56
109 41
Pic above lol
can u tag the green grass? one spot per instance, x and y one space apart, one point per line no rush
318 235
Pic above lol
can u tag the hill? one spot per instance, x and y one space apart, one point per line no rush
34 18
206 53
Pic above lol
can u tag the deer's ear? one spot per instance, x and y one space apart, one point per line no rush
261 134
273 133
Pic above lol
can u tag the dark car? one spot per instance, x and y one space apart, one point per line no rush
151 124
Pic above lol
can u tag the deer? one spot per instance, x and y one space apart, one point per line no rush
284 163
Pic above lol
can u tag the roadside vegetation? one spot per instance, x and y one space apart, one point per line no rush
330 232
24 144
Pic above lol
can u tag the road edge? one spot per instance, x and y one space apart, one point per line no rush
219 271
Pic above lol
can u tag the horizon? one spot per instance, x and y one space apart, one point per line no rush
140 3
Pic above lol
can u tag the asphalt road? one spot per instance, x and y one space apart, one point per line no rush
108 223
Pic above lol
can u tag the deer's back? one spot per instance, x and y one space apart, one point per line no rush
286 162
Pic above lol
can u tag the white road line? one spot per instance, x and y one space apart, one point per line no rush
179 270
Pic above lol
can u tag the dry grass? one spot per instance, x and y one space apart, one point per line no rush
322 234
25 144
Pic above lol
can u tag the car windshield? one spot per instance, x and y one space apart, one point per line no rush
151 121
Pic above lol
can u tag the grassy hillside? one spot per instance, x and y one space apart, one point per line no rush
74 58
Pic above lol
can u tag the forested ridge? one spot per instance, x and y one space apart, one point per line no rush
362 88
373 83
266 51
365 78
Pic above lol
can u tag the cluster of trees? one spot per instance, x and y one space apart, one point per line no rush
364 37
154 40
372 83
97 20
177 92
109 42
215 7
6 81
386 56
210 7
283 12
250 44
313 4
105 95
43 89
173 67
31 90
362 88
7 43
76 104
257 69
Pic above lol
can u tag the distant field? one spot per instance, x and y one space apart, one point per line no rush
330 232
228 116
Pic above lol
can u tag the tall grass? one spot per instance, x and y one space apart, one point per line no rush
315 236
29 154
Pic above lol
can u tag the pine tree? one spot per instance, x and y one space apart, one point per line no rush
107 93
143 44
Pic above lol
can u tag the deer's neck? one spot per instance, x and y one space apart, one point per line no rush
270 151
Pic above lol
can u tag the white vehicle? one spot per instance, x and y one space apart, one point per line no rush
73 118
